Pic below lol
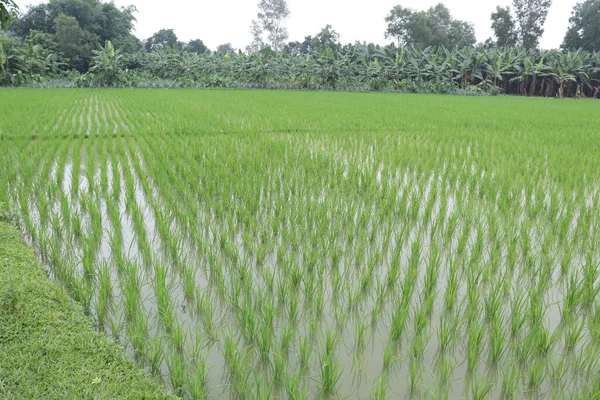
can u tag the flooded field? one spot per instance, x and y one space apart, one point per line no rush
249 244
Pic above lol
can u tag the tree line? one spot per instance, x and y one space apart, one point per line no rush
90 43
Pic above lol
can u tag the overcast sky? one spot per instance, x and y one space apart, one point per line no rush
222 21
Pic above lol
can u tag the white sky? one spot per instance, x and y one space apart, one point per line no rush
222 21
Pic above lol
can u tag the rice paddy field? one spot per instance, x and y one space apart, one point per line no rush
293 245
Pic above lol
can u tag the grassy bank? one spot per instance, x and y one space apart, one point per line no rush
48 349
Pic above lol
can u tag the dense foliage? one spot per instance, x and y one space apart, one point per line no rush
58 44
7 10
434 27
584 31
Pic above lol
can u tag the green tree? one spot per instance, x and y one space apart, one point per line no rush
584 31
196 46
504 27
434 27
8 8
327 37
257 38
531 16
271 16
161 39
399 25
74 43
225 48
105 20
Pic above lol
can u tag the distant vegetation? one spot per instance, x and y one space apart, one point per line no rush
88 43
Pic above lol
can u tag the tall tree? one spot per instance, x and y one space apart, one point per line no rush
434 27
271 16
225 48
8 8
531 16
257 41
584 31
161 39
196 46
399 24
105 20
504 27
74 43
327 37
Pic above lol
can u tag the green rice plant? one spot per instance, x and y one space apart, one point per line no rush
155 355
177 336
536 375
497 339
398 322
389 354
380 388
481 388
451 294
82 291
115 327
447 332
176 366
375 313
446 366
304 352
287 336
138 331
557 375
572 335
130 290
360 336
517 314
265 339
188 273
590 288
418 346
415 377
510 381
278 368
105 294
475 337
293 387
329 367
420 320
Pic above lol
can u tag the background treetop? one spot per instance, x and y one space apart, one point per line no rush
434 27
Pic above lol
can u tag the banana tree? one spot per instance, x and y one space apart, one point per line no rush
107 64
330 66
569 68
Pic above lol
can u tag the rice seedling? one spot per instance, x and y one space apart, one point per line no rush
480 389
304 352
155 355
380 388
176 367
329 367
105 295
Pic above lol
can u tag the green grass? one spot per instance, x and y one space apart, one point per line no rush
48 347
344 245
